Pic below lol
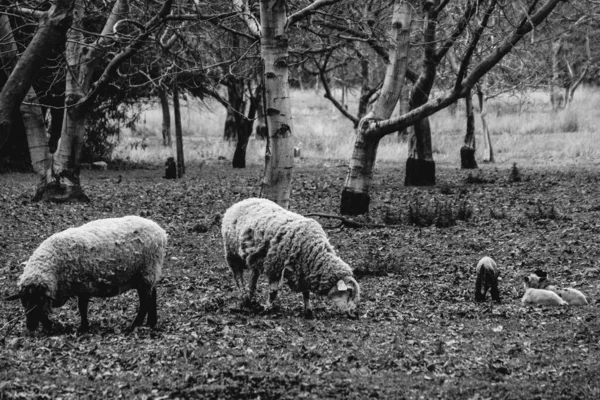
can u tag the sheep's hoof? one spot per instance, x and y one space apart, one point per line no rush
308 314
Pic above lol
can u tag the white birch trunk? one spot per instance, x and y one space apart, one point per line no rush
279 157
355 196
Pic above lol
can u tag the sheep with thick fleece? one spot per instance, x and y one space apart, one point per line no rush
264 237
102 258
574 297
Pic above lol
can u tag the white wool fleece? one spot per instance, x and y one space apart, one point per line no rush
101 258
269 238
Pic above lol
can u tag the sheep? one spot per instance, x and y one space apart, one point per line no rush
542 297
102 258
487 279
574 297
263 237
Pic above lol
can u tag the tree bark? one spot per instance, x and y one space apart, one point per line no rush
467 152
166 116
279 157
355 195
51 32
178 130
31 112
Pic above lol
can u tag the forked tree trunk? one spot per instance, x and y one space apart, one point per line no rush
81 60
488 151
355 195
166 116
279 157
245 125
178 130
50 33
467 152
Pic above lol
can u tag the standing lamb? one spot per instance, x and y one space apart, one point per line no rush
263 237
102 258
487 279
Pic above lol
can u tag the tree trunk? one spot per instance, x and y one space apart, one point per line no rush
245 125
467 152
420 167
51 32
178 130
279 157
488 151
355 195
260 125
556 97
81 60
31 112
166 114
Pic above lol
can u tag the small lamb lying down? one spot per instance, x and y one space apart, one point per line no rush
573 297
102 258
266 238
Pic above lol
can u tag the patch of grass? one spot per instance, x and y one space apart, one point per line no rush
441 213
479 178
515 174
498 213
542 211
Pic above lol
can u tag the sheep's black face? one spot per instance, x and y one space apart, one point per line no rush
37 308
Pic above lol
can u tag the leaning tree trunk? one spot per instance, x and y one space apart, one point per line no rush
279 156
488 151
467 152
178 130
50 33
31 111
166 115
355 195
245 125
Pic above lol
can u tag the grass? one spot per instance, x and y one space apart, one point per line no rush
521 130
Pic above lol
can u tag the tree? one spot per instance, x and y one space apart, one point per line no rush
355 198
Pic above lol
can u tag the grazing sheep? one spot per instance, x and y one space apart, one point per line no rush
487 279
574 297
263 237
102 258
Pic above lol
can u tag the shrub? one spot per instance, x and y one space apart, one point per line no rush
515 174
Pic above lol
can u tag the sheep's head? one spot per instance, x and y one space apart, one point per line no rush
37 303
346 295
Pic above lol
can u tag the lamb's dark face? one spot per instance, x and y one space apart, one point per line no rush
533 281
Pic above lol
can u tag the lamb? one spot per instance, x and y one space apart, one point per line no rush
534 295
487 279
574 297
102 258
263 237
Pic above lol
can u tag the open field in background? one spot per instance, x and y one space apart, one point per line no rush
523 129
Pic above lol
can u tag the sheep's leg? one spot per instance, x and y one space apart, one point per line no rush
237 267
273 290
145 300
308 312
250 300
82 304
152 313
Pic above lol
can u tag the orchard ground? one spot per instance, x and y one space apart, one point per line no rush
420 334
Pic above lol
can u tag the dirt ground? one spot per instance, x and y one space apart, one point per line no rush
420 334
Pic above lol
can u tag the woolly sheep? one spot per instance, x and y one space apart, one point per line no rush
572 296
534 295
102 258
263 237
487 279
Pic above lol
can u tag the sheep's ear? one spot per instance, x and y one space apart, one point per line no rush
526 278
13 297
341 285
